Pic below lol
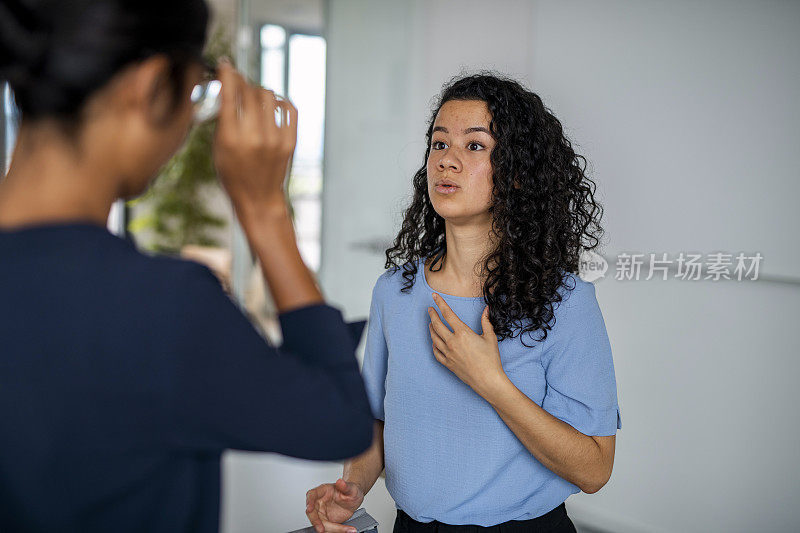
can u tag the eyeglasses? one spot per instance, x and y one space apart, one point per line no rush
205 95
206 101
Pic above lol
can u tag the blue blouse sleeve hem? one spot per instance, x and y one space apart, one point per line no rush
596 422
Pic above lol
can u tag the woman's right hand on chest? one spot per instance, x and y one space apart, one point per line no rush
251 151
330 504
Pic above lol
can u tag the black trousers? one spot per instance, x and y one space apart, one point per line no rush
555 521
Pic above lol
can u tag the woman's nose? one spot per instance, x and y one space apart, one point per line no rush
449 161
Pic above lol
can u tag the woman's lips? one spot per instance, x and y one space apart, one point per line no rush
446 189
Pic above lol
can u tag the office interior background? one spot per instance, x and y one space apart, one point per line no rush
688 114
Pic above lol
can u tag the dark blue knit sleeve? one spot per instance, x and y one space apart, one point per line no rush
233 389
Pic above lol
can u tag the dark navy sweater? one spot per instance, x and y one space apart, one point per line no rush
123 377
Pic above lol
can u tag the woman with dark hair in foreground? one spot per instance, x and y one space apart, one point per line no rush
123 377
480 425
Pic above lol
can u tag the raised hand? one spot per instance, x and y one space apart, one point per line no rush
252 151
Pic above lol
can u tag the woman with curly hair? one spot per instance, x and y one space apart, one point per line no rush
488 431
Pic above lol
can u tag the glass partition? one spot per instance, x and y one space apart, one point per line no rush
8 126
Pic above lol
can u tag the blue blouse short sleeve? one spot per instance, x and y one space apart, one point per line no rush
579 369
376 354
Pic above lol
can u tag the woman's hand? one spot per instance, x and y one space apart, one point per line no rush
252 152
330 504
474 358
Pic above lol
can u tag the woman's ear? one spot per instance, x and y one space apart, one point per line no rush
150 90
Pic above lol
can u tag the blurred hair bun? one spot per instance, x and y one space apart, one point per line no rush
56 53
23 47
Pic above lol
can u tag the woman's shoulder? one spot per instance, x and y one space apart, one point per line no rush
189 279
578 304
574 288
174 280
390 285
393 277
97 256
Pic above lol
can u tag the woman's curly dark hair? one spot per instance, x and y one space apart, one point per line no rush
540 228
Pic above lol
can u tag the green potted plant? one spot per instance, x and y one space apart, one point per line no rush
173 213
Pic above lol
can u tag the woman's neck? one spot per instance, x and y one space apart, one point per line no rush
461 267
49 181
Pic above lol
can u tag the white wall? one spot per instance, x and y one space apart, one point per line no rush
689 113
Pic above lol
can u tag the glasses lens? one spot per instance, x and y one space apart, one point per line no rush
205 98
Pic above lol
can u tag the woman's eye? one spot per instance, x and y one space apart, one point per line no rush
474 146
437 145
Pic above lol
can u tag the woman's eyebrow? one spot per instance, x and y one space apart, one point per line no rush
477 128
468 130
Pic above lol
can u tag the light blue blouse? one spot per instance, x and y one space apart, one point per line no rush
449 456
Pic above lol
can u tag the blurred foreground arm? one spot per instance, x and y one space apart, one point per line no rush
230 388
252 154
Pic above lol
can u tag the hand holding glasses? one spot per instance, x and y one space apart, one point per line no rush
254 139
206 96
